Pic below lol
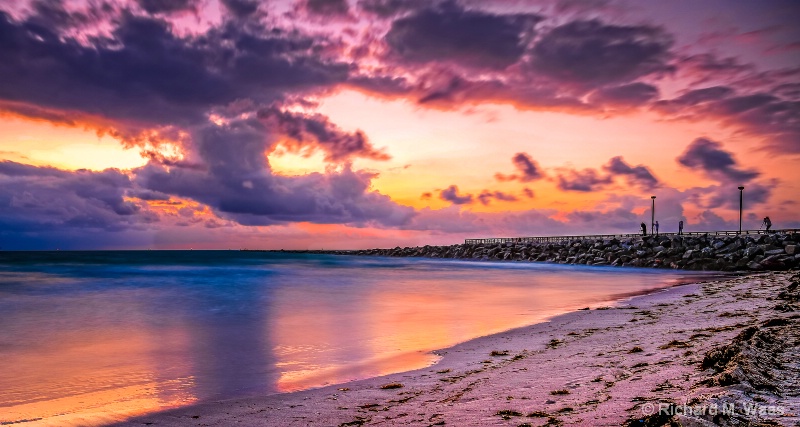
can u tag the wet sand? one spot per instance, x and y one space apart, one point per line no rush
605 366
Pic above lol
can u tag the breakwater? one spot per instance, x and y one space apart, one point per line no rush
774 251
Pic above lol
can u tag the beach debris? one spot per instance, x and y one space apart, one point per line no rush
499 353
659 419
636 349
359 421
391 386
674 344
554 343
559 392
506 414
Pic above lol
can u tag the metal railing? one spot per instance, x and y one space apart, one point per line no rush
545 239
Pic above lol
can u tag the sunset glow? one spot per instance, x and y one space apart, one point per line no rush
352 124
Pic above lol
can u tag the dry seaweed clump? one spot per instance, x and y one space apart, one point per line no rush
391 386
753 358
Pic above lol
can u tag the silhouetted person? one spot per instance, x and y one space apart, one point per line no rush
680 227
644 229
656 225
767 223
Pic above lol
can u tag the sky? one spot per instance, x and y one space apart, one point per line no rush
345 124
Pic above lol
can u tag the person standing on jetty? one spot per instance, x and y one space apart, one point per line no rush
680 227
644 229
767 223
656 224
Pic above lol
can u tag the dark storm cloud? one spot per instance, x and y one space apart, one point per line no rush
145 73
468 37
707 66
692 98
630 95
527 169
327 7
315 130
708 157
34 198
775 115
240 8
451 195
638 175
162 6
591 53
388 8
238 184
585 180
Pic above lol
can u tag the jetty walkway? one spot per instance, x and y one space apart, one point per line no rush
559 239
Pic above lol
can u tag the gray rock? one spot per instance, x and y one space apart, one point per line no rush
790 249
755 266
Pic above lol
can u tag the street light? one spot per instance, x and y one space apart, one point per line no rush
653 215
741 189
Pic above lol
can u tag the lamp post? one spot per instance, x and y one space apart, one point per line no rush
741 190
653 215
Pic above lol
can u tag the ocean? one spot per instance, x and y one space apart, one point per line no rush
98 336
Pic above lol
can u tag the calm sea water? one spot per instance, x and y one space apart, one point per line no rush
97 336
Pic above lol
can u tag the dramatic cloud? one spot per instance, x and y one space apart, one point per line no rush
486 197
708 157
638 175
146 74
327 7
41 198
240 8
763 114
238 184
388 8
592 53
451 195
468 37
585 180
314 130
630 95
527 169
160 6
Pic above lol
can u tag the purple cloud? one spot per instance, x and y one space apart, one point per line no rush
585 180
527 169
708 157
486 197
40 198
629 95
592 53
638 175
468 37
451 195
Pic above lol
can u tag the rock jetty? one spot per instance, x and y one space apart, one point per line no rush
776 251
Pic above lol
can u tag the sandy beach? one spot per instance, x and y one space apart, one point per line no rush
724 352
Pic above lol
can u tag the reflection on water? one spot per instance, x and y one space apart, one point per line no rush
94 337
